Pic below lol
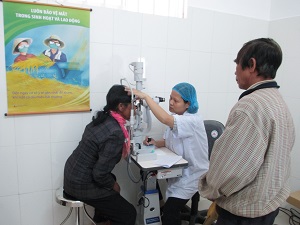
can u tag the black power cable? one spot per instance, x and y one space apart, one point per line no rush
294 215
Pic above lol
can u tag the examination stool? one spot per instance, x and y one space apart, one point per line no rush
72 204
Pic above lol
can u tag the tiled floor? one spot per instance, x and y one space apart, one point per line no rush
281 219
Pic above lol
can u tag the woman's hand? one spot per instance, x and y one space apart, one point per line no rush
116 187
137 93
158 111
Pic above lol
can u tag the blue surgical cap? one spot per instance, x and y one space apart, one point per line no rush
188 93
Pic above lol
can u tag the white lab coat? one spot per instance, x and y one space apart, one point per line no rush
189 141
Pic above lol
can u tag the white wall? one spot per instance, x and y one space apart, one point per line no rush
255 9
199 49
287 33
266 10
284 9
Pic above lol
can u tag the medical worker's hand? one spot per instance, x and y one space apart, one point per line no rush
138 94
149 141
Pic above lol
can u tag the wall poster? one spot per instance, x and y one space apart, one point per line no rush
46 58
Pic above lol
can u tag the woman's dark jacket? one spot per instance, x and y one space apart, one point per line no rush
87 172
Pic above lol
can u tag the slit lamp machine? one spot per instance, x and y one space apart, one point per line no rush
140 119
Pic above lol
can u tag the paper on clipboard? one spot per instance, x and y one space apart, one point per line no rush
167 160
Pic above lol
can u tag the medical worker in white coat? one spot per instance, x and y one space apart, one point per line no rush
186 136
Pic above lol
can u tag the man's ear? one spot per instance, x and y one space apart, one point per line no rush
252 64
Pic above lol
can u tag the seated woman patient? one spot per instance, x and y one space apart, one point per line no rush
88 171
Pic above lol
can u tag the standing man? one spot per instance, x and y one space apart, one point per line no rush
250 162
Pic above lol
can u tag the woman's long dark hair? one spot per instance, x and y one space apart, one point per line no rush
115 95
